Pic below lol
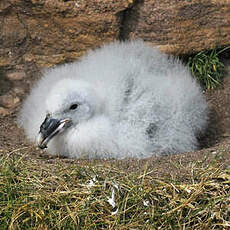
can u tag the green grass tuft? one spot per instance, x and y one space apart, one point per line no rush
207 68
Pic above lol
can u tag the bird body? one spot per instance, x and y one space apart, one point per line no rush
124 99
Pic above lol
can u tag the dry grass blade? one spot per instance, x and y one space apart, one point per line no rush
68 196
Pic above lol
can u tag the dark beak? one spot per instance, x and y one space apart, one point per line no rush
50 128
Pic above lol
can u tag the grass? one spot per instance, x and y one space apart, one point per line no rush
38 194
207 68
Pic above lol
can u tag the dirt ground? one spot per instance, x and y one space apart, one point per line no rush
215 144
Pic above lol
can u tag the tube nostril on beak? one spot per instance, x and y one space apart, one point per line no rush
48 126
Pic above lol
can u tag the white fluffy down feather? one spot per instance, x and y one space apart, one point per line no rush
124 99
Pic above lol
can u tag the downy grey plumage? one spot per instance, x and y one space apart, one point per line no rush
125 99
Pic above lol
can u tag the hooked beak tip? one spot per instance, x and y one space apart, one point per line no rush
50 128
40 141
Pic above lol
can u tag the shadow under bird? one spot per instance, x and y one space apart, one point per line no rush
125 99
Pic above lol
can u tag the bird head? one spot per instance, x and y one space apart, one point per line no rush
69 103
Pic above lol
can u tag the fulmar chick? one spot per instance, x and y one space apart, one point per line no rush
124 99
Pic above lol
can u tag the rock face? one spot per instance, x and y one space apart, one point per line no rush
48 32
180 27
54 31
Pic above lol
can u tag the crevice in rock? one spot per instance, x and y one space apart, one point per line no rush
2 22
5 85
22 46
6 10
125 17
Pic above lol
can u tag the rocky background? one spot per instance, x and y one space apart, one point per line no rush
48 32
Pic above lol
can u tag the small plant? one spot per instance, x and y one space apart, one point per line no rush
207 68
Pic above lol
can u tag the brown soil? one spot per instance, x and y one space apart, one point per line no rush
215 144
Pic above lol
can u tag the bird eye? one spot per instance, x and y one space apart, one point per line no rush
73 106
